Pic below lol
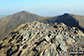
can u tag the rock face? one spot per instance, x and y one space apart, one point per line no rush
38 39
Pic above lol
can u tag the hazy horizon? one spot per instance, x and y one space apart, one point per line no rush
42 7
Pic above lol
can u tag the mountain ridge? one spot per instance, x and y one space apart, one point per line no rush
39 39
70 20
9 23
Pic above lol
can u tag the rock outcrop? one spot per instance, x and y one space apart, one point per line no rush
38 39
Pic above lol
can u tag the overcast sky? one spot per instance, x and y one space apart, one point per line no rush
42 7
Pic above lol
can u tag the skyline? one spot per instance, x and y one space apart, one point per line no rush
42 7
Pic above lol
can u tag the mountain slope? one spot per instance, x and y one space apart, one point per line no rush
38 39
70 20
7 24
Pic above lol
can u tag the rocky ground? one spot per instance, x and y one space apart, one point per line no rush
38 39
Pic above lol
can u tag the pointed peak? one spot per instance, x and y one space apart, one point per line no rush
69 14
66 14
25 12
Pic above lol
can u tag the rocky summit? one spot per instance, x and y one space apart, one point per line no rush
39 39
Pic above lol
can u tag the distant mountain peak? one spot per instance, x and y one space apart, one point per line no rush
24 12
67 14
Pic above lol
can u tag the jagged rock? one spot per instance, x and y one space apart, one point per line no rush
38 39
70 41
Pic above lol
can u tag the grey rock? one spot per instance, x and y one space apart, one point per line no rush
38 39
